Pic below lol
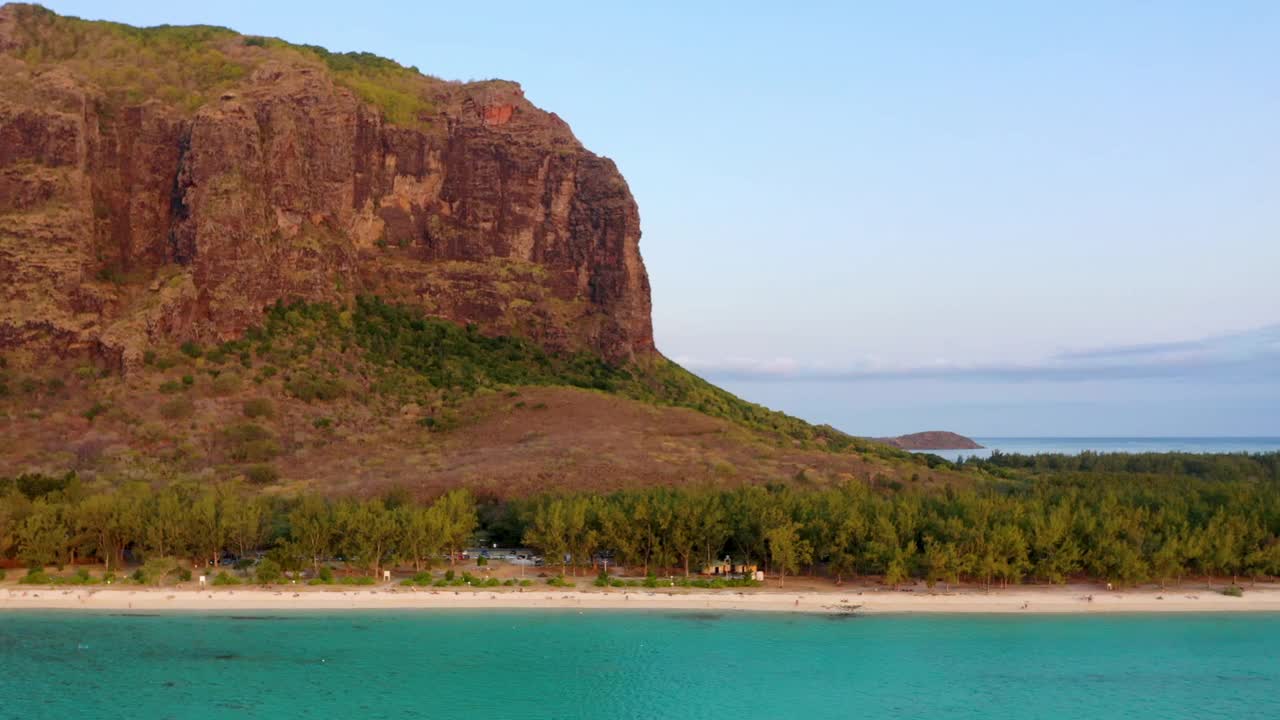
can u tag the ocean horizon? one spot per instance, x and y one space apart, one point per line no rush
1070 445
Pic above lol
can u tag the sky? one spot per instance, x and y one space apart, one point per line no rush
997 218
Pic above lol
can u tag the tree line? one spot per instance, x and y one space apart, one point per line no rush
57 521
1124 528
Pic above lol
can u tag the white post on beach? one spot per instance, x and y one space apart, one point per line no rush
386 576
203 581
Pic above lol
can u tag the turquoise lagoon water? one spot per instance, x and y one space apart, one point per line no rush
472 664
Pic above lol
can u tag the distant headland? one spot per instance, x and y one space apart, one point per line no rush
932 440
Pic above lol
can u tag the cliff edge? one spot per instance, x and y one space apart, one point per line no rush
169 183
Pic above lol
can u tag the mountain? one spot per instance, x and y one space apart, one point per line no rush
932 440
228 255
170 182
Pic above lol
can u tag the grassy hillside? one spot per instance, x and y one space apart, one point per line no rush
373 396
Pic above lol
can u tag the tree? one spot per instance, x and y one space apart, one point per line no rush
1166 560
113 520
43 535
369 532
787 551
711 525
898 569
584 538
549 530
1053 545
941 562
246 522
206 525
685 529
163 524
1010 549
618 532
14 507
458 515
421 533
312 529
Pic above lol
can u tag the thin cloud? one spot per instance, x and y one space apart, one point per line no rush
1237 357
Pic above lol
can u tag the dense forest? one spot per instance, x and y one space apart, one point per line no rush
1120 519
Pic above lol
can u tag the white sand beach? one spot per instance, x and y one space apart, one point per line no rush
869 600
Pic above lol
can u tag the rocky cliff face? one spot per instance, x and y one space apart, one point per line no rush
178 204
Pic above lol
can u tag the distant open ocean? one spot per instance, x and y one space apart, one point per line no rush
1075 445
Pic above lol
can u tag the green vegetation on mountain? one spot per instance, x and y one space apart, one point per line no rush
190 65
418 356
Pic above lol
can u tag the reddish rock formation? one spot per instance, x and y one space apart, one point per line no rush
124 223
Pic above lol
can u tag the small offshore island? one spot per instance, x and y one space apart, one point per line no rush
932 440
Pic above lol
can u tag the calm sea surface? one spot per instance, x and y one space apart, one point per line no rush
636 665
1074 445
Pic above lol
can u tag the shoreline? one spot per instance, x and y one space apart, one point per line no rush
1024 601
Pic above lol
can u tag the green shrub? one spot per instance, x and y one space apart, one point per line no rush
154 571
482 561
245 432
222 578
448 574
35 576
560 581
3 575
326 574
191 349
183 574
96 409
225 384
526 583
357 580
322 423
258 408
149 357
261 474
247 442
269 572
308 387
242 564
256 451
1233 591
177 409
188 380
170 387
